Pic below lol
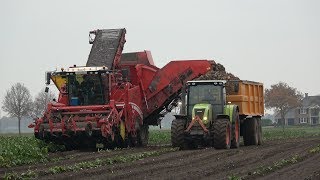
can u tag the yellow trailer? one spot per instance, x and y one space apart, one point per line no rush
248 96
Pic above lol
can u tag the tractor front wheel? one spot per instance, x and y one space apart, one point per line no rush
177 133
222 134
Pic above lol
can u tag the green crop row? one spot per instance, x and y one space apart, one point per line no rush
159 137
16 150
290 132
90 164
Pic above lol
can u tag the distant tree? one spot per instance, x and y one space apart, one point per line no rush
41 101
17 102
266 122
282 98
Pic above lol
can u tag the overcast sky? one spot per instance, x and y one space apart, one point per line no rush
266 41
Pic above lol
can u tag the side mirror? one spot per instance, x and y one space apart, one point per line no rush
46 90
48 77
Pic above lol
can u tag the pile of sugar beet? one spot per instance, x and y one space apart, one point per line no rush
219 73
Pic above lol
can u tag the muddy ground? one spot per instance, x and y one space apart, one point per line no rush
278 159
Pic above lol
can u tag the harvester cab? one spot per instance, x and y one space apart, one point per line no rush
81 86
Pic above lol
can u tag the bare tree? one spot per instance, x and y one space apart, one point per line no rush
41 101
282 98
17 102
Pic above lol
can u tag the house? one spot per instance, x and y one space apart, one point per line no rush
308 113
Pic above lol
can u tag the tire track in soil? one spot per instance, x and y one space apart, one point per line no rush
109 168
72 157
309 166
199 167
252 159
204 163
165 163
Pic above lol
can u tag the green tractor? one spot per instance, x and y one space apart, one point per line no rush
208 119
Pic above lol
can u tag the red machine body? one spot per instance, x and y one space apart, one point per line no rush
126 97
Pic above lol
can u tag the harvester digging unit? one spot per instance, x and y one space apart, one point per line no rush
115 97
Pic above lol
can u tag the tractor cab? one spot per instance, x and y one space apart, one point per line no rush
205 99
81 86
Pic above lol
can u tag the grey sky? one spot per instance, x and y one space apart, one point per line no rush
267 41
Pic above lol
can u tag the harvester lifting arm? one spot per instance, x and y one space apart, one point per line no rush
166 84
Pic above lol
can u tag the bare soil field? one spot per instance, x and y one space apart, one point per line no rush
297 158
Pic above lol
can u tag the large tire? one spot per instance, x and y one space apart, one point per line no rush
235 141
260 141
222 134
177 133
143 136
251 132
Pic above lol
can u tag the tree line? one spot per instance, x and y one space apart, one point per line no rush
18 102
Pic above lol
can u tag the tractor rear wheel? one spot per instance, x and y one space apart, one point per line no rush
177 133
222 134
235 141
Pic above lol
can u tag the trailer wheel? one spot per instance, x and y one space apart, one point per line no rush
177 133
235 142
260 142
251 132
222 134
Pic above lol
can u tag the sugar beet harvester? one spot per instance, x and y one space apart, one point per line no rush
115 97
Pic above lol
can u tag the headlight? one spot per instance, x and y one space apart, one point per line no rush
205 120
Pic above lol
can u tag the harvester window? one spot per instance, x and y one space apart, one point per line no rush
85 89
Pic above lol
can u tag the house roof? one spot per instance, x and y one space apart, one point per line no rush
307 101
311 101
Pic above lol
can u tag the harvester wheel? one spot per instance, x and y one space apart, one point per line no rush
177 134
235 141
88 130
143 135
222 134
42 133
70 145
251 132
